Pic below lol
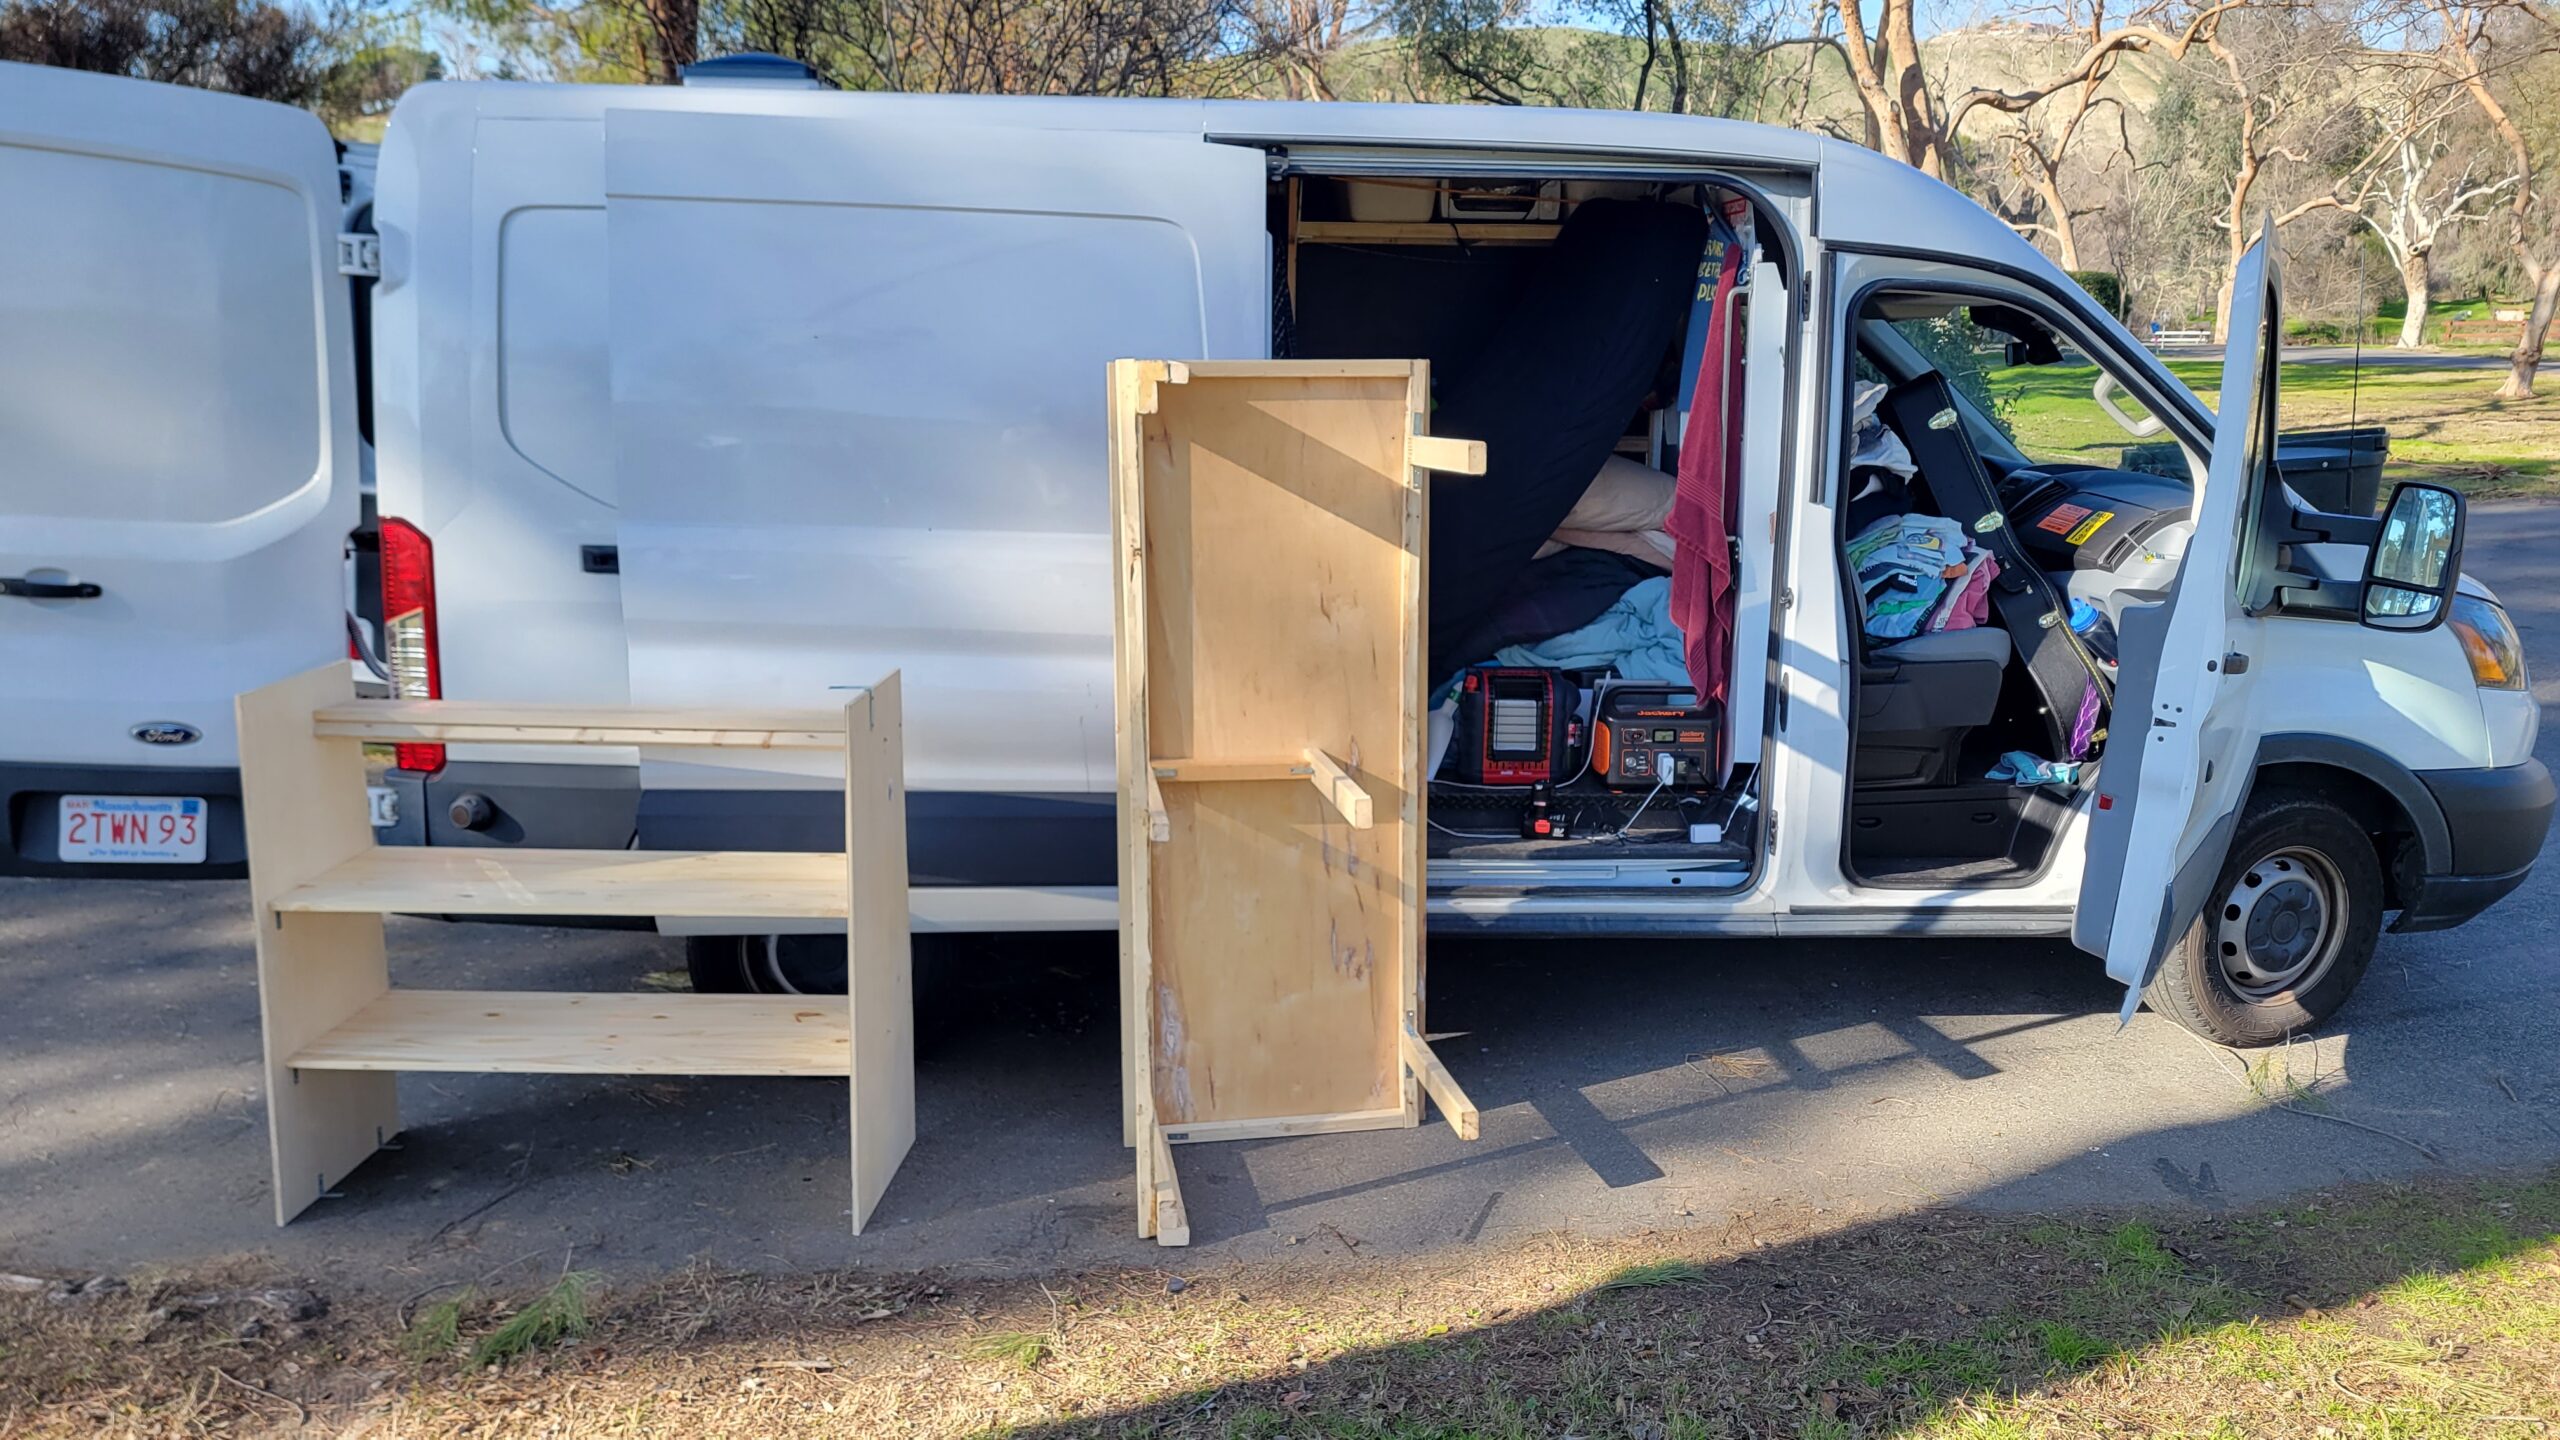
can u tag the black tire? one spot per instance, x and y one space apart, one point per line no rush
2287 931
815 965
766 964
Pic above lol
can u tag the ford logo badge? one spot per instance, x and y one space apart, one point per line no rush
165 732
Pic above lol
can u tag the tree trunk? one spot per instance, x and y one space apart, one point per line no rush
676 26
2537 326
2066 237
2413 288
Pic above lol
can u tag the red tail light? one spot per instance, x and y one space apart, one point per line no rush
409 629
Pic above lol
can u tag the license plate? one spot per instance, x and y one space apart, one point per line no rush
133 829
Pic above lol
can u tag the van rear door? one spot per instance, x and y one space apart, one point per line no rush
859 422
2177 765
178 470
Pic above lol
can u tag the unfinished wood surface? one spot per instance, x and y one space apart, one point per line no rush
879 990
1170 1222
303 804
420 880
550 1033
1132 392
1271 526
472 722
1190 770
1440 452
1204 1131
1340 791
1442 1087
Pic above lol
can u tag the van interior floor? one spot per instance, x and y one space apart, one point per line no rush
1987 832
1473 824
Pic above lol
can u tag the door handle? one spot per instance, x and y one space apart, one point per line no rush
26 589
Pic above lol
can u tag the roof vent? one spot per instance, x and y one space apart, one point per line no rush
754 70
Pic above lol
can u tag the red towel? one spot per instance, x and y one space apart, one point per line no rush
1703 500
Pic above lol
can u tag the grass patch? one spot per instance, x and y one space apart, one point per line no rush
557 1314
2447 425
2411 1311
436 1331
1018 1347
1654 1275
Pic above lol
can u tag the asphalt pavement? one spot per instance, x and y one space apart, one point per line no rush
1625 1087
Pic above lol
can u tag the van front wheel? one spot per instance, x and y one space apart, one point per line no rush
2286 932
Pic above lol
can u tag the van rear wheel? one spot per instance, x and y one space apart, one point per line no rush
2287 930
766 964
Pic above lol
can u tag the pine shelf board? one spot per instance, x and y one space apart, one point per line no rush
470 722
553 1033
421 880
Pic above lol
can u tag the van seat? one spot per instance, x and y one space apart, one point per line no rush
1918 697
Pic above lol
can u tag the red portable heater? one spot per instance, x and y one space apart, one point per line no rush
1511 727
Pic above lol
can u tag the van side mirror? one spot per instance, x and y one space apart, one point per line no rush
2416 560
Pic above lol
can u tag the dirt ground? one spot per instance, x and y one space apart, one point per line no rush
2427 1310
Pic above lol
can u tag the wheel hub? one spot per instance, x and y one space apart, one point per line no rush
2276 930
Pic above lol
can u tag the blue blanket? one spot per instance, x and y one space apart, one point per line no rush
1635 634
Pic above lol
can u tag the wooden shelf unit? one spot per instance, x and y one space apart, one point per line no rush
336 1031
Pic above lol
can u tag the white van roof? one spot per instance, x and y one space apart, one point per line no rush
1862 198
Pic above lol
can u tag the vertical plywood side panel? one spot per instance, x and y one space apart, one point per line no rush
1417 701
1279 561
879 990
1131 387
304 812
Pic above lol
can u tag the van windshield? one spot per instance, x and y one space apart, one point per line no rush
2022 414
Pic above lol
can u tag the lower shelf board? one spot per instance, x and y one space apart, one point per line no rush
424 880
545 1032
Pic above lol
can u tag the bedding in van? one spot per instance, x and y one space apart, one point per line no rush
1563 592
1634 637
1623 510
1549 394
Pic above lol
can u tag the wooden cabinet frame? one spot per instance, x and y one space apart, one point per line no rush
1270 521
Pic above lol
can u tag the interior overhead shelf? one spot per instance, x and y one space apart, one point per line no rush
439 881
1425 232
462 722
538 1032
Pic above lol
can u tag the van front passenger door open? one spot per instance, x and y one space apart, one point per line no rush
2177 766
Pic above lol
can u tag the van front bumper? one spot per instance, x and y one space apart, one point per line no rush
2498 820
31 819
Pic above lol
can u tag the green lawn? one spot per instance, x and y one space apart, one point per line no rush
2446 425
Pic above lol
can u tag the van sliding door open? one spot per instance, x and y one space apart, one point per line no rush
859 423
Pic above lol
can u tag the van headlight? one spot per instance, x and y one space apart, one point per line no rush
2489 642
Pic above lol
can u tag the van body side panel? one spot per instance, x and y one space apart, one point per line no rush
857 388
491 430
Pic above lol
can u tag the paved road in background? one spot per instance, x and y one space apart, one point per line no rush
1625 1086
2373 355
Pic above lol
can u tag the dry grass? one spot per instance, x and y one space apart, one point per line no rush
2431 1311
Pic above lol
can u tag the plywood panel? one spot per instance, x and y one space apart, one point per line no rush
553 1033
463 722
303 804
880 987
1271 526
491 881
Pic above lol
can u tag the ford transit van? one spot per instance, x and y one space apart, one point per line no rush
713 395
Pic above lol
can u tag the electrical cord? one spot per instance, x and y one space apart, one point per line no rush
1661 778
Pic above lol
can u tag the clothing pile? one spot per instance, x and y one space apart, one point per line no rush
1918 574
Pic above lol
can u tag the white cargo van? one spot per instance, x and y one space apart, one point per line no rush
708 395
178 458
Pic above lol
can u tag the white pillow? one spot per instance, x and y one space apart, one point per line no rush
1627 495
